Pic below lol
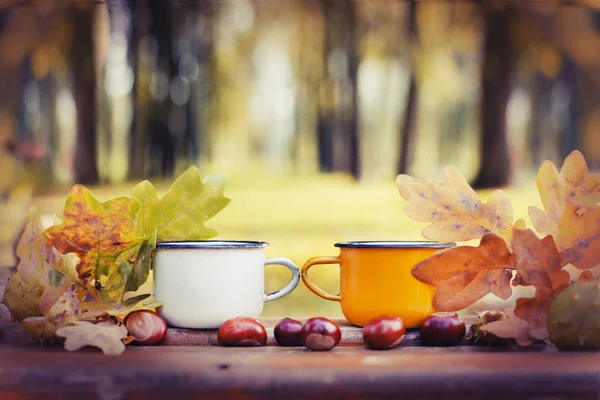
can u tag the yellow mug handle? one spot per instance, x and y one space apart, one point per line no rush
314 288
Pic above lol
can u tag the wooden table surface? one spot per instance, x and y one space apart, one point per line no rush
347 371
191 365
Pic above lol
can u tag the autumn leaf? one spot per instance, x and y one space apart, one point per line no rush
107 336
181 212
537 261
586 276
510 328
141 265
574 184
453 208
97 309
526 322
465 274
64 311
42 273
96 232
579 237
22 298
534 310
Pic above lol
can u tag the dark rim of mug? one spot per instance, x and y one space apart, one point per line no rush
211 244
394 244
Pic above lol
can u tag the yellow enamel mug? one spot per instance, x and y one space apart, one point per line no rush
376 279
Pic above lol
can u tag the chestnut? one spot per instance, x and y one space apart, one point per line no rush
242 331
320 334
147 327
384 332
442 329
287 332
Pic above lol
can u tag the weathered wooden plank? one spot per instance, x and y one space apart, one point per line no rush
275 371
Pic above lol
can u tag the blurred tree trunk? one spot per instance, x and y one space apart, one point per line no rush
84 93
162 147
338 135
496 87
138 146
410 113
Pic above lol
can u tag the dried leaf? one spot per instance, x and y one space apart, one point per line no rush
181 213
42 273
579 237
534 310
107 336
465 274
455 211
96 232
510 328
574 184
97 309
22 298
537 261
65 311
586 276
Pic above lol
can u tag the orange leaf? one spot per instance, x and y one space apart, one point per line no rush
96 232
510 328
455 211
537 261
579 237
573 184
465 274
535 310
586 276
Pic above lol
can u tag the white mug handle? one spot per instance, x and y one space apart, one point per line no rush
291 284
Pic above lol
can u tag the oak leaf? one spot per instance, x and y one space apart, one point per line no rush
64 311
534 310
96 232
586 276
579 236
42 273
107 336
574 184
511 327
537 261
465 274
453 208
181 212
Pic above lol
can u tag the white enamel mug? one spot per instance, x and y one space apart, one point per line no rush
201 284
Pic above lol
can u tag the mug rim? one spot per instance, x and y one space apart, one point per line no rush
211 244
394 244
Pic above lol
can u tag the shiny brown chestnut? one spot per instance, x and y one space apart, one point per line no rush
384 332
147 327
320 334
287 332
442 329
243 332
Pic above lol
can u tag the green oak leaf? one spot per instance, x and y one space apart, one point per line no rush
181 213
141 265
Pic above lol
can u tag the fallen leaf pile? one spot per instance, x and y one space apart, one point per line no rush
92 262
567 243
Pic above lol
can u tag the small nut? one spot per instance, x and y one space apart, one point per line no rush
242 331
442 329
384 332
287 332
320 334
147 327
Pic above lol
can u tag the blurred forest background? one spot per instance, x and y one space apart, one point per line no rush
309 107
